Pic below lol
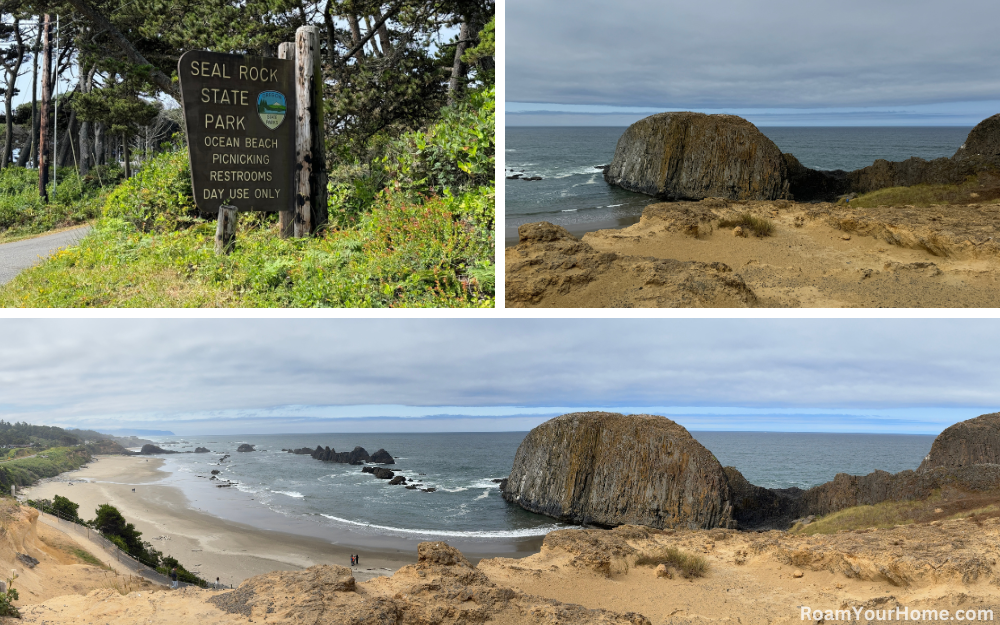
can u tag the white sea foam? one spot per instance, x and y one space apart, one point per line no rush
485 494
615 205
521 533
290 493
569 210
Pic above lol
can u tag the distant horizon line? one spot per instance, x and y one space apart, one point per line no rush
518 432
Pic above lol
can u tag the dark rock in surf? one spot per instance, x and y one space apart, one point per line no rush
356 456
149 450
367 469
201 450
245 447
216 471
305 451
382 474
411 487
399 479
382 457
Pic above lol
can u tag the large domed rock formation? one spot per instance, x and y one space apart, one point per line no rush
609 469
976 441
692 156
983 140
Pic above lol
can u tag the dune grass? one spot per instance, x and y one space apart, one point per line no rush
88 558
974 190
759 226
688 565
885 514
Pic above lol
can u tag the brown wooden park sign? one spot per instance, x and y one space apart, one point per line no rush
255 135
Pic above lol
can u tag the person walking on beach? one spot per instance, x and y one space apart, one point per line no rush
173 577
357 559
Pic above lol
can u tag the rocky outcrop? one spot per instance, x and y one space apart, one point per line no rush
356 456
382 457
149 450
307 451
552 268
976 441
201 450
245 447
691 156
382 474
609 469
983 140
399 479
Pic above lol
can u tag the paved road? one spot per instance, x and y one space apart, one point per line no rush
18 256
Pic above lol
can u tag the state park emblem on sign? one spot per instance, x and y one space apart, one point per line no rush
271 108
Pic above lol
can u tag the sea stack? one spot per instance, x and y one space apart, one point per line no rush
976 441
693 156
609 469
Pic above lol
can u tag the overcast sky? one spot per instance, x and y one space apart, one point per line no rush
257 376
858 62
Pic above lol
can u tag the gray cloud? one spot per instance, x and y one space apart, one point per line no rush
731 53
118 372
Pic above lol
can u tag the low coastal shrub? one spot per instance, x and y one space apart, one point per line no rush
158 197
73 201
759 226
48 463
688 565
885 514
183 575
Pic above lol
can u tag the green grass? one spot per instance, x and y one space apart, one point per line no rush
89 558
688 565
400 254
759 226
882 515
974 190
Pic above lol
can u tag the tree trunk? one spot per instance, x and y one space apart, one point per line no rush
34 100
22 157
458 68
66 147
85 154
12 73
383 32
43 136
352 19
99 144
128 157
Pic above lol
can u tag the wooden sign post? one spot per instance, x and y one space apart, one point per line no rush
310 151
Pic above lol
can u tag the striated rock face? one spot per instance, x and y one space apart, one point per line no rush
552 268
984 140
691 156
976 441
609 469
382 457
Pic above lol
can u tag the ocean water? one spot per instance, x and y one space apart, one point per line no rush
573 193
467 506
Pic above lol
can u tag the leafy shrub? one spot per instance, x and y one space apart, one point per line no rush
22 211
687 564
158 197
456 153
8 598
183 575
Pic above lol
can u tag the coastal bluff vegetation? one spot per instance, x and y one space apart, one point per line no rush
742 225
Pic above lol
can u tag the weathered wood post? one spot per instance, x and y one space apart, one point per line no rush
310 154
286 219
225 229
43 142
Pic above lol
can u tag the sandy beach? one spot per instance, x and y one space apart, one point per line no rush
205 544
